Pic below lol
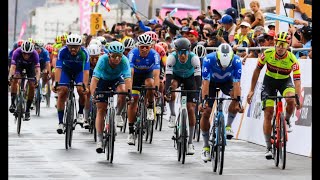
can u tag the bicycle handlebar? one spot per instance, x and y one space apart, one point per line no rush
111 93
206 98
280 97
143 87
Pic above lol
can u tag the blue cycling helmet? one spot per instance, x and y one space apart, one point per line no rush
15 45
115 47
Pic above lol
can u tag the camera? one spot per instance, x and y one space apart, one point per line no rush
289 6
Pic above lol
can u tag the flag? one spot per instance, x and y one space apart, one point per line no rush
23 29
105 3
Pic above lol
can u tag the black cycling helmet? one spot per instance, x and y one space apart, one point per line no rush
182 44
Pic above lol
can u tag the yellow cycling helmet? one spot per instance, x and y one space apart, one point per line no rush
283 36
58 39
30 40
64 37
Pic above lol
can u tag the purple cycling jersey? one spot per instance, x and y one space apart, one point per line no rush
17 58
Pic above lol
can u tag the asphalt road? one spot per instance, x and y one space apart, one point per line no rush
39 153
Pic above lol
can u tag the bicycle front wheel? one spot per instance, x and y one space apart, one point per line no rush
220 145
274 142
38 100
283 142
48 94
20 111
112 134
183 133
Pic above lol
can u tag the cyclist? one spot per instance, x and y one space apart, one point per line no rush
112 70
145 69
94 52
183 66
26 58
129 44
15 46
44 61
280 62
98 42
220 69
103 44
200 51
49 48
73 60
163 56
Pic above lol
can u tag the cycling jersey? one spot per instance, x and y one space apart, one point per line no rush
213 72
17 58
76 63
184 70
146 64
279 68
44 56
160 50
104 71
56 48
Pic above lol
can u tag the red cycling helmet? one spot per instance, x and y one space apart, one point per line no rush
49 48
20 42
153 35
164 45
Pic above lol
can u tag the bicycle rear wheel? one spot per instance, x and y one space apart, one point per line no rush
48 94
141 124
283 142
274 140
221 145
125 117
151 126
112 134
183 138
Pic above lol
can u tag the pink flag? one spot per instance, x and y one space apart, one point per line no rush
220 5
85 11
23 29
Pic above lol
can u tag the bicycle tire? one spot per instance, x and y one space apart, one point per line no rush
147 129
72 123
283 142
66 116
151 126
177 140
94 124
274 142
20 112
125 117
140 136
221 145
183 136
48 94
161 115
38 99
112 134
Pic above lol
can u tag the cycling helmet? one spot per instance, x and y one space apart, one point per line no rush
102 40
20 43
15 45
64 37
153 35
116 47
27 47
182 44
283 36
30 40
58 39
97 42
49 48
200 50
144 39
164 45
38 43
94 50
129 43
224 55
74 39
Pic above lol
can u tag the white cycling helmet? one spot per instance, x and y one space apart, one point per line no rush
102 40
129 43
94 49
97 42
74 39
144 39
27 47
200 50
224 55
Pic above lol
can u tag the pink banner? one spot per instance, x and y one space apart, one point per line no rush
220 5
181 13
23 29
85 11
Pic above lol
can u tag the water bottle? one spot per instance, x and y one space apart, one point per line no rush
173 12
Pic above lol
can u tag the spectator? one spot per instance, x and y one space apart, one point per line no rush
227 22
306 40
233 13
272 26
270 37
184 31
193 36
241 39
258 15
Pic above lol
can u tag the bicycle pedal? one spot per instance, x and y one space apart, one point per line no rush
173 138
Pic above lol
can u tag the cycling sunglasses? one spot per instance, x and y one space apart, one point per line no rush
282 44
186 52
115 55
144 47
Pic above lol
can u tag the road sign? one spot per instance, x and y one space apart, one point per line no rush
95 23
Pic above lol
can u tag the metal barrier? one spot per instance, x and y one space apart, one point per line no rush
262 48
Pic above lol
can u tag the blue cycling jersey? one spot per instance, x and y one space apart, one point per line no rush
75 63
212 71
144 65
104 71
44 56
